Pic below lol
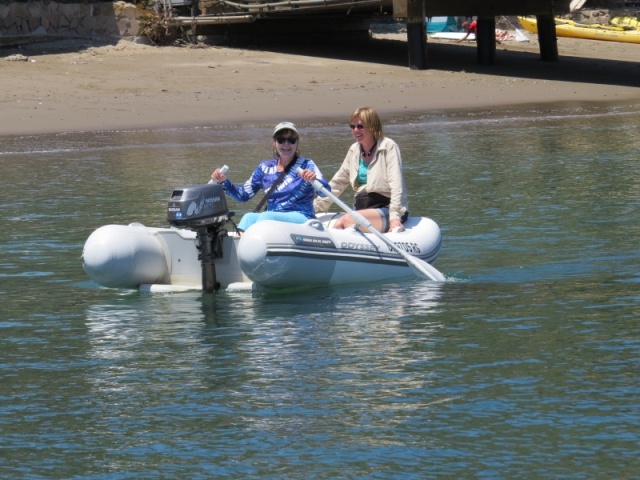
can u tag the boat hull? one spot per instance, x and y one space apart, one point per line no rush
269 254
135 256
312 254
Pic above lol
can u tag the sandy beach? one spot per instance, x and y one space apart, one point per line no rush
82 85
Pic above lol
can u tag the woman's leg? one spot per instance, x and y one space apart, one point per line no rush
250 218
384 218
371 214
291 217
247 220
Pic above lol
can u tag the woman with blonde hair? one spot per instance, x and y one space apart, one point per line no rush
373 168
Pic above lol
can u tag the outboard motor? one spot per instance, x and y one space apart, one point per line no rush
202 208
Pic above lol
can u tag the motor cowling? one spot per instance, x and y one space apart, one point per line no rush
202 208
196 206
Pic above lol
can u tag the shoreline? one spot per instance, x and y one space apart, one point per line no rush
74 86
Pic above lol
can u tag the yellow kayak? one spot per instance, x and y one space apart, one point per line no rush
571 29
632 22
566 21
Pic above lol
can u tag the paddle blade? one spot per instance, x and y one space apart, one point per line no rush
424 270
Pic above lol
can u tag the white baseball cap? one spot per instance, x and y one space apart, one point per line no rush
286 126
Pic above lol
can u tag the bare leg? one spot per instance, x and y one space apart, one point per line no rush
346 221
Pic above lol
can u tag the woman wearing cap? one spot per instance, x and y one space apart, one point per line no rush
373 168
292 198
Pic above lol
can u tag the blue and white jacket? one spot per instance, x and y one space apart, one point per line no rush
293 194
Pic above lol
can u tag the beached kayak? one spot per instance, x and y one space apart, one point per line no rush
571 29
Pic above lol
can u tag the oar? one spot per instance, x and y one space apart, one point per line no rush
420 268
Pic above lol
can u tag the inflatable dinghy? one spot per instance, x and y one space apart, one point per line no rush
197 251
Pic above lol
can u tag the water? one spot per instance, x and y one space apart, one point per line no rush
523 365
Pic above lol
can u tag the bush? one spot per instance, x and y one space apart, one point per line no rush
155 27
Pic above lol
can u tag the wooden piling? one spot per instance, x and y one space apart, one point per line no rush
486 40
547 38
416 35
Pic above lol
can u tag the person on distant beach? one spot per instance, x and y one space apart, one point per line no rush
472 27
289 194
469 28
501 35
373 168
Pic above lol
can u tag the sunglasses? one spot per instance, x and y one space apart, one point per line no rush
358 126
291 140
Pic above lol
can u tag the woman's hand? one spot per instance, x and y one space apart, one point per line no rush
395 224
218 176
308 175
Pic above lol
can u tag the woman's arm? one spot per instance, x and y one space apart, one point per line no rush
248 190
395 178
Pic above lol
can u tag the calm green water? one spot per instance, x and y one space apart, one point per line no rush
524 365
